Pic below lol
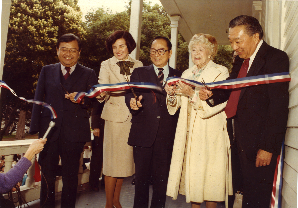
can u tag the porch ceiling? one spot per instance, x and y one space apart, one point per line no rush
206 16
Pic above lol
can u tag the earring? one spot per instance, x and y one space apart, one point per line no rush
209 56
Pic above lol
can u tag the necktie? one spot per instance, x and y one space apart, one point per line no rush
67 73
160 75
232 104
125 67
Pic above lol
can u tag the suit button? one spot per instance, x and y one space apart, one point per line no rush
158 116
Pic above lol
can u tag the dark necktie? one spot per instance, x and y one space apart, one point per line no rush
232 104
160 75
67 73
125 67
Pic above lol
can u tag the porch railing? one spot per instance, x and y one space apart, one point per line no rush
31 189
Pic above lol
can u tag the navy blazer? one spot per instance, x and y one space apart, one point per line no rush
73 117
153 115
262 112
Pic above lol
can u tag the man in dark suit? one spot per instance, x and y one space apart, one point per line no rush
57 85
97 124
153 128
257 115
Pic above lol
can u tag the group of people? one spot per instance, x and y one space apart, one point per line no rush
205 144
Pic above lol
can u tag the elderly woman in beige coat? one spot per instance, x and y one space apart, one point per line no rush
199 166
117 154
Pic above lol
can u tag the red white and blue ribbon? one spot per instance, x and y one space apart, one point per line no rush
277 182
54 115
236 83
99 88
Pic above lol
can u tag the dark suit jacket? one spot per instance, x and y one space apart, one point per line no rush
153 116
73 117
96 120
262 113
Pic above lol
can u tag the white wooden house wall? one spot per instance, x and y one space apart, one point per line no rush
280 22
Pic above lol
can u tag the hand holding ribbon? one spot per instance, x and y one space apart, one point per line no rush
236 83
98 89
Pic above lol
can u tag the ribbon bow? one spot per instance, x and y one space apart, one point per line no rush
125 67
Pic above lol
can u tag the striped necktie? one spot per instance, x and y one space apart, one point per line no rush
160 75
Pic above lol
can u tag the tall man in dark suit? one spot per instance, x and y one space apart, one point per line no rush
257 115
97 124
153 128
57 85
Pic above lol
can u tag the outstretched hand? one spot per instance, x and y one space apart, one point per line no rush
34 148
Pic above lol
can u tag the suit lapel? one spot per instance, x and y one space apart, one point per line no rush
57 76
257 64
154 79
152 75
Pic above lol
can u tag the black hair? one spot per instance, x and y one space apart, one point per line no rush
66 38
130 42
169 44
252 25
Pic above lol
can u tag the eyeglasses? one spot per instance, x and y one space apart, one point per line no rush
70 50
159 51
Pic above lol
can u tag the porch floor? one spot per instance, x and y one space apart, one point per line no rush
89 199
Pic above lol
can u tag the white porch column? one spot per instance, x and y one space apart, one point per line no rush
4 29
257 10
136 25
174 39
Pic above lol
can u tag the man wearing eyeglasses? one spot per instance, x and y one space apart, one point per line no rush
57 85
153 128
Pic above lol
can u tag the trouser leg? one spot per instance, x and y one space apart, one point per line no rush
142 159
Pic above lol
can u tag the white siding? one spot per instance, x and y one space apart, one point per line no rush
286 38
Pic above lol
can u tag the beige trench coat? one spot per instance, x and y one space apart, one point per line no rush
207 170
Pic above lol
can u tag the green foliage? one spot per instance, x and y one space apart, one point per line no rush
34 28
224 56
99 25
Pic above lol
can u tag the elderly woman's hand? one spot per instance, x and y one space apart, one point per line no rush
204 94
184 89
170 89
